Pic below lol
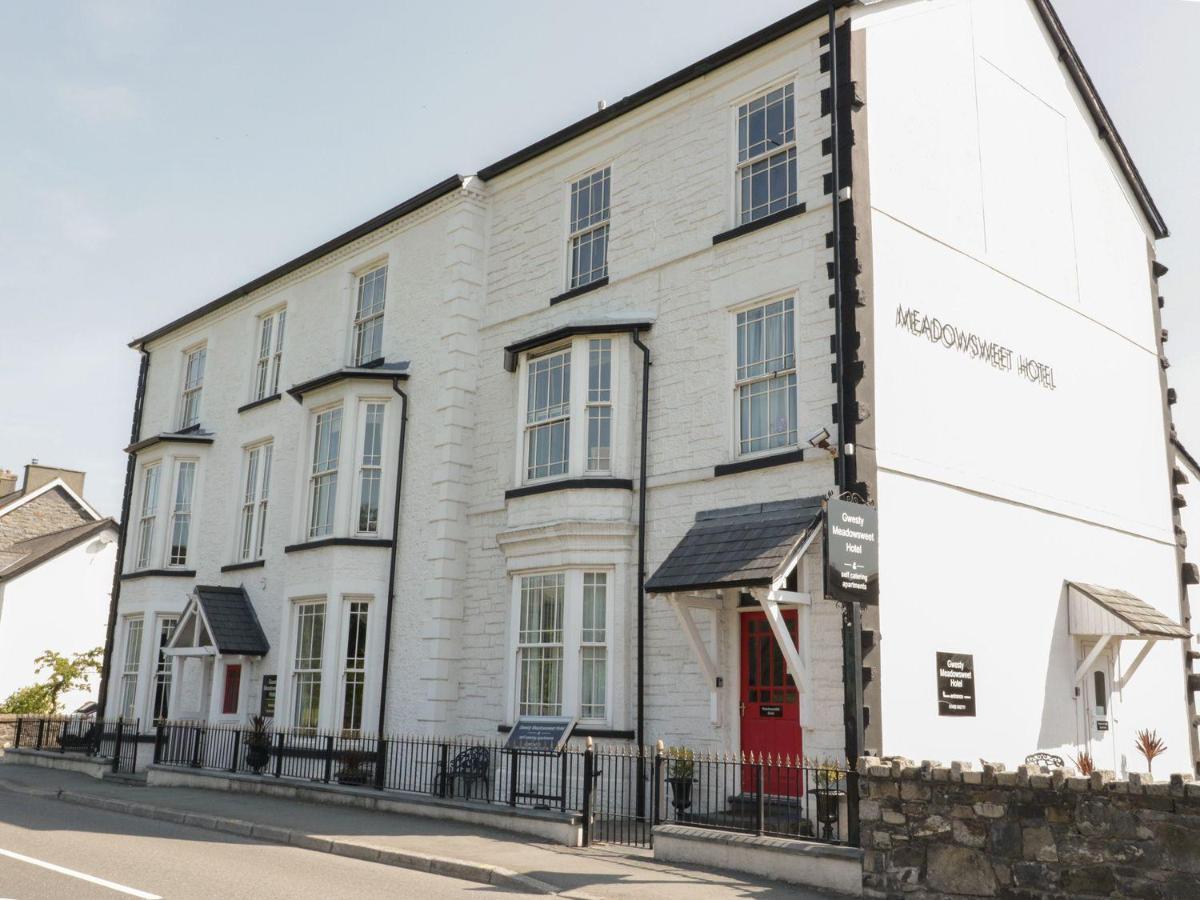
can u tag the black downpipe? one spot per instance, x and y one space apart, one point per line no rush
123 530
852 613
391 597
641 593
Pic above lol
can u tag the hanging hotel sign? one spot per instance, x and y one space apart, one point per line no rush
956 684
544 734
852 552
974 346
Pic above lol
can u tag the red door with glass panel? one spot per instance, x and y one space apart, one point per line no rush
770 704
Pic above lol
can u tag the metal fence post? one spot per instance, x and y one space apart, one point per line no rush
20 722
660 784
116 760
380 761
41 732
514 761
237 742
853 836
760 821
279 755
444 770
196 748
328 758
589 765
159 732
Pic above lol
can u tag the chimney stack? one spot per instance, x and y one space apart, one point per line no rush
8 482
36 475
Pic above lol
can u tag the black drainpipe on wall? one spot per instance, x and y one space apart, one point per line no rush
641 593
391 597
122 531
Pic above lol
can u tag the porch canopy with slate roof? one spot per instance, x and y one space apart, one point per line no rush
220 621
1111 614
752 549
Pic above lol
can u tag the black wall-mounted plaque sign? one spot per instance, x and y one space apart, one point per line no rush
543 734
852 552
956 684
266 707
770 712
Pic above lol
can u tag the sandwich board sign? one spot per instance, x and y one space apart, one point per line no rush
851 552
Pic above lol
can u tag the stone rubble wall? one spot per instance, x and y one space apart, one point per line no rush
930 830
8 731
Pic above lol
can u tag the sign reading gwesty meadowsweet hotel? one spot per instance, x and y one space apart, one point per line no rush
852 552
956 684
975 346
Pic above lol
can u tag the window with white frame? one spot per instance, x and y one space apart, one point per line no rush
255 487
766 377
599 405
548 415
270 354
593 647
354 667
766 167
162 669
562 637
327 440
306 664
370 468
129 668
193 384
540 645
589 228
181 513
368 315
148 515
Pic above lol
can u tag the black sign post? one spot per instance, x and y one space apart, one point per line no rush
956 684
852 552
548 735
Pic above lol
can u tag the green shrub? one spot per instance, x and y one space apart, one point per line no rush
34 700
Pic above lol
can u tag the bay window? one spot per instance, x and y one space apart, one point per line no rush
327 440
131 664
270 354
149 513
567 423
163 668
256 486
765 382
181 513
306 664
370 471
354 666
766 166
562 632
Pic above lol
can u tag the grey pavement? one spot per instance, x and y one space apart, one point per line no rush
508 860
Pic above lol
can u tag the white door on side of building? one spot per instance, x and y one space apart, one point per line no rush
1096 707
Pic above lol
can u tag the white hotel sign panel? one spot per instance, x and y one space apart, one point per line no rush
852 552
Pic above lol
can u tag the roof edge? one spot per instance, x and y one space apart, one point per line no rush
411 205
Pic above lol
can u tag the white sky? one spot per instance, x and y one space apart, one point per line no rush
154 155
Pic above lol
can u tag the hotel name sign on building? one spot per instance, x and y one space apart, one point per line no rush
852 548
975 346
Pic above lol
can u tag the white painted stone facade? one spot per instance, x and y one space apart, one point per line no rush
474 271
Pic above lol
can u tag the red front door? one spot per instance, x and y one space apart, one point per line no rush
770 703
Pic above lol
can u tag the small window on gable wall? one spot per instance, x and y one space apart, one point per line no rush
589 228
766 167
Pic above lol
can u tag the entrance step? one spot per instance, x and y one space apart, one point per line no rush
137 779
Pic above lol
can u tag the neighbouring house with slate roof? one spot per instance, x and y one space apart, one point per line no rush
57 555
567 425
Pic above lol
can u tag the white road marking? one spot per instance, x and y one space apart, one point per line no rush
111 885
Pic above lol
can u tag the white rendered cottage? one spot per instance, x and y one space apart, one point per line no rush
589 373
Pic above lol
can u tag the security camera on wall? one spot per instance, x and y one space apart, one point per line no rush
820 440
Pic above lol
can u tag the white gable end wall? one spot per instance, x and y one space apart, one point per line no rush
997 212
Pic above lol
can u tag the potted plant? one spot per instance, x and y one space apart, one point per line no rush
1150 745
681 767
829 793
352 771
258 744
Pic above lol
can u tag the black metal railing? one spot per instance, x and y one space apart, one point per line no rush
112 739
619 792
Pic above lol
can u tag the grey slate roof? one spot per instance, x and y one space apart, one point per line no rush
25 555
1137 614
740 546
231 621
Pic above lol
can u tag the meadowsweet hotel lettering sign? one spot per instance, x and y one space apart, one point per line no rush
974 346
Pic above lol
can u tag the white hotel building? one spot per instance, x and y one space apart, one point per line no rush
412 473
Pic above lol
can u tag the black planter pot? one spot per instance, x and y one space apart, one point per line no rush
828 809
681 792
257 758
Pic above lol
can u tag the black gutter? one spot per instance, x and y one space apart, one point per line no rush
852 707
123 530
641 593
391 598
512 351
412 204
380 371
749 44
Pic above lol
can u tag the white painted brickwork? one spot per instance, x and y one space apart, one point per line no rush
469 274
